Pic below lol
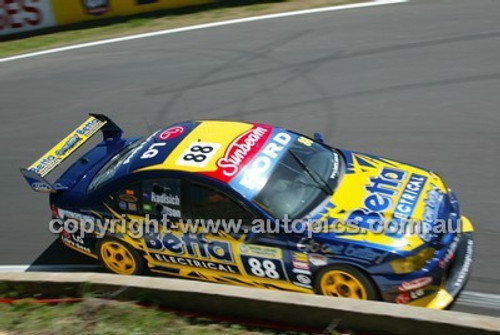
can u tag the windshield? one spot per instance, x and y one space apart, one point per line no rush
305 175
108 171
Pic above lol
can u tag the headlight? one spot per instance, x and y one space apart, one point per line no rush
412 263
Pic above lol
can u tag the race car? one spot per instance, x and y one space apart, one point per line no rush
212 183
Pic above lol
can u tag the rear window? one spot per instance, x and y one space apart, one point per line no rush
108 171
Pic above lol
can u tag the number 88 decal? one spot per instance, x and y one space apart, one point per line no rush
198 154
203 150
263 267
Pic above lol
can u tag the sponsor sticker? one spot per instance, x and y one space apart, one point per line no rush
450 253
365 253
317 260
41 187
19 16
381 193
75 241
336 166
256 250
300 265
303 279
128 198
190 245
431 209
171 133
90 128
138 149
240 151
305 141
462 275
45 165
408 199
255 173
209 265
70 144
415 284
65 214
406 297
300 257
95 7
241 148
403 298
263 162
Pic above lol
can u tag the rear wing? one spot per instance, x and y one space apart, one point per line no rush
35 174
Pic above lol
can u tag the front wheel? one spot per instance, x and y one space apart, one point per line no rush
345 281
120 258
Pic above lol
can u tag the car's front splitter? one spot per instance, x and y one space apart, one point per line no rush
458 272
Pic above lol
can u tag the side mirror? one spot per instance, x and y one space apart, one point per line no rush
318 137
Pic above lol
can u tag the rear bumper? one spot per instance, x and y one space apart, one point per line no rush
457 274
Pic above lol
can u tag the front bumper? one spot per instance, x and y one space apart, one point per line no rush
457 273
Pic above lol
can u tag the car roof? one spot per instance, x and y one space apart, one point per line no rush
215 148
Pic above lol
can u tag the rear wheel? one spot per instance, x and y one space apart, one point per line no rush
345 281
120 258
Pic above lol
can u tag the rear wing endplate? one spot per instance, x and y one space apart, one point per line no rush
35 174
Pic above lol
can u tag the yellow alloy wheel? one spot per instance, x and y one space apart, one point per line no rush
342 284
118 258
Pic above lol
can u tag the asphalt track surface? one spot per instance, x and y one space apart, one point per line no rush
418 82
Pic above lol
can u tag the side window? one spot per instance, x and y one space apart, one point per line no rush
207 203
128 199
162 197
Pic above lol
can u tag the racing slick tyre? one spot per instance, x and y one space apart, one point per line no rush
120 258
344 281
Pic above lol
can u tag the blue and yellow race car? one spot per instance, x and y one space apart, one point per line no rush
256 205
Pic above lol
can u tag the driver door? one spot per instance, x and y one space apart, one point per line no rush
227 223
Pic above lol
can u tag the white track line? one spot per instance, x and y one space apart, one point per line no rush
204 26
479 299
49 268
13 268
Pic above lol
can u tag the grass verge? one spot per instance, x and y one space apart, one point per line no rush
99 316
168 19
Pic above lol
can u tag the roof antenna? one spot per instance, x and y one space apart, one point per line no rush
197 134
